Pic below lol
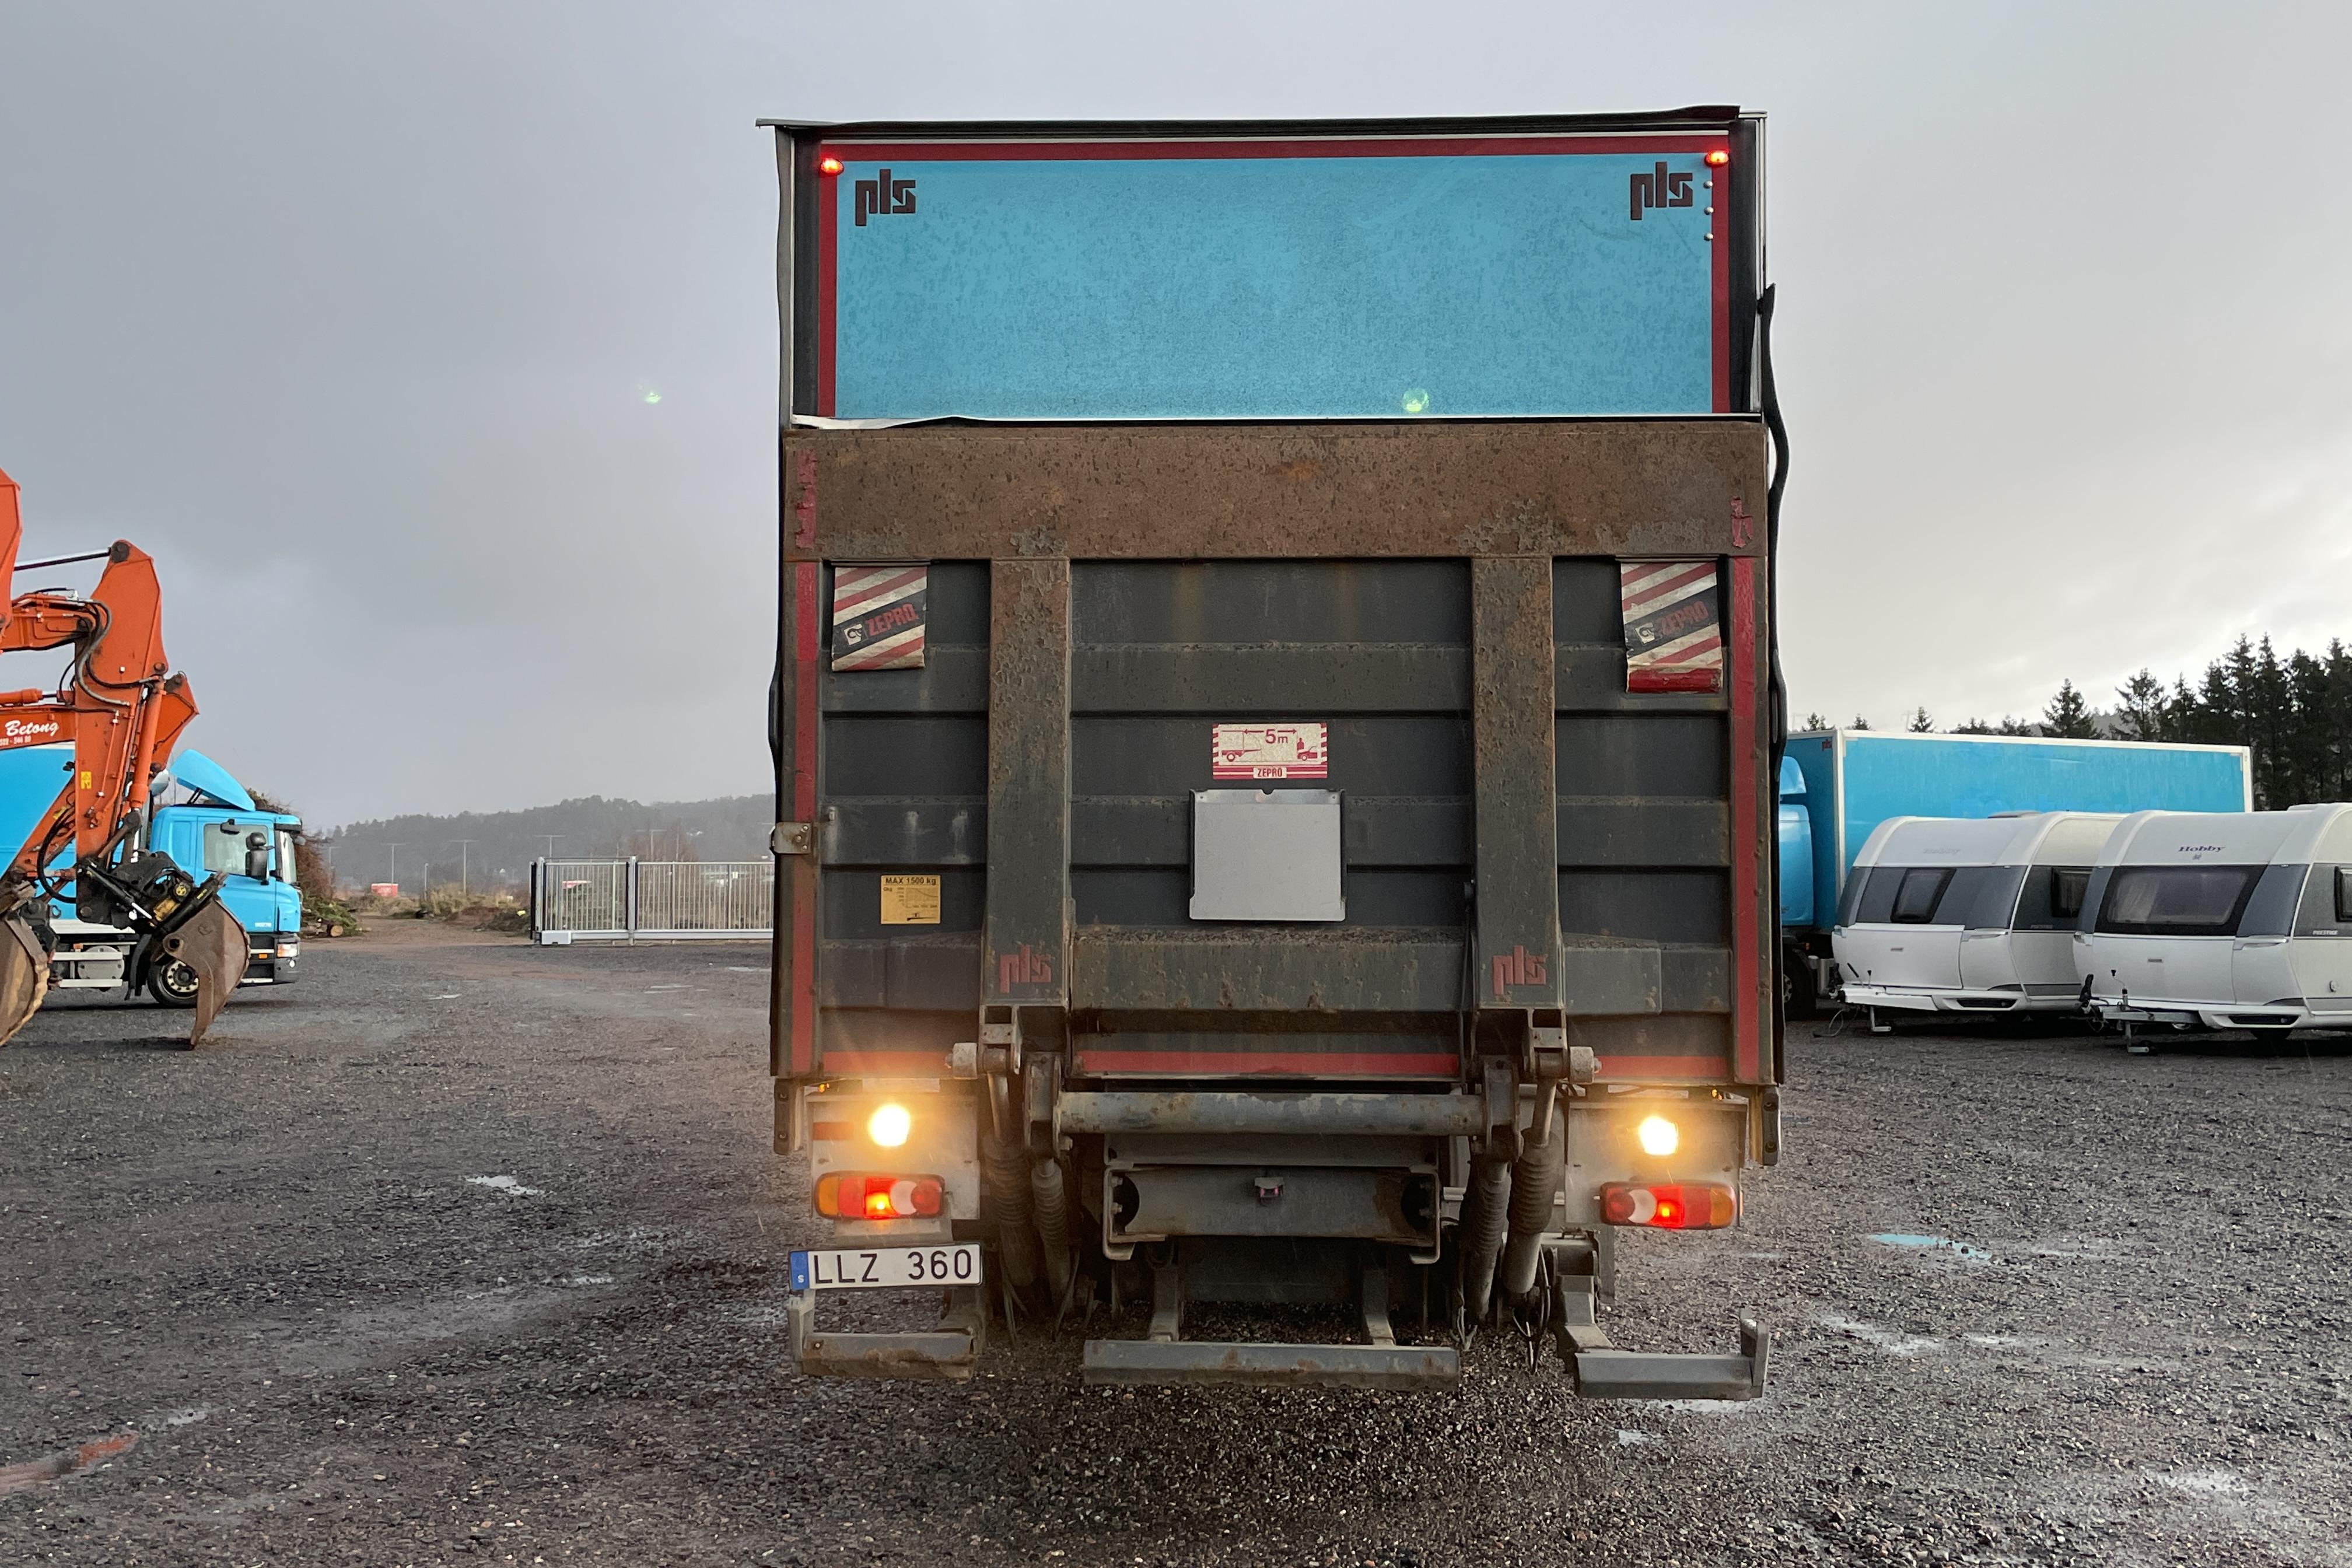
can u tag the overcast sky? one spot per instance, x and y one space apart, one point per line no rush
350 315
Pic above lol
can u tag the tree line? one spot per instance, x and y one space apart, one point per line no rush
2294 713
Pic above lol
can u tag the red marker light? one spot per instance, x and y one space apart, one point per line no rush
1670 1206
828 165
879 1196
1717 158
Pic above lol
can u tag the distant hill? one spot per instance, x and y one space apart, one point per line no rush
732 827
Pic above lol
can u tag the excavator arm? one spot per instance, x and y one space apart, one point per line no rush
122 708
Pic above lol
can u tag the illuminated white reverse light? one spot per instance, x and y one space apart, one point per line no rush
889 1125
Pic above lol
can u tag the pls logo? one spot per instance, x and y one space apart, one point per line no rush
1516 967
29 732
883 194
1659 188
1023 968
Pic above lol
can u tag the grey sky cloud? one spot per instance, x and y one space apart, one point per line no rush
352 313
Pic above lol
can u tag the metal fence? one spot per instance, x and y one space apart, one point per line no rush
650 900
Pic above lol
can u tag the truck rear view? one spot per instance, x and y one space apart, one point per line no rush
1275 732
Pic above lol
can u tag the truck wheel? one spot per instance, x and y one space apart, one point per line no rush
1799 997
172 984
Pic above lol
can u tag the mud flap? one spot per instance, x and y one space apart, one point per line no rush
213 947
24 977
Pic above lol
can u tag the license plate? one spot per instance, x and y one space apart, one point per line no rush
882 1267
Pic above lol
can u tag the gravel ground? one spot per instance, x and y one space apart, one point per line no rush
464 1250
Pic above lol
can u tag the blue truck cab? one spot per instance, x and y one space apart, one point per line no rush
207 822
1837 786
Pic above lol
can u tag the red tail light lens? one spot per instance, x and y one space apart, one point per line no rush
879 1197
1670 1206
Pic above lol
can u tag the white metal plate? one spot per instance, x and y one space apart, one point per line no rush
1266 855
886 1267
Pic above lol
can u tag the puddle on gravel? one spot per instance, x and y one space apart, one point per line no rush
1910 1242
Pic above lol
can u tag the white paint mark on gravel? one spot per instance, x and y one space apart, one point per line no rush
2216 1483
450 996
1887 1339
2009 1341
671 988
747 969
752 1314
506 1184
1627 1437
589 1279
188 1417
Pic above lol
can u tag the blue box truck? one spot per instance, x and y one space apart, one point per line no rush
214 825
1836 786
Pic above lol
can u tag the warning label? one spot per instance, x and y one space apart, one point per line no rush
1269 751
910 901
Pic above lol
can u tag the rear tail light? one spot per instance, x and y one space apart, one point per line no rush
879 1197
1670 1206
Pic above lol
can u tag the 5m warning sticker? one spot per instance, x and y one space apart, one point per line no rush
910 901
878 616
1269 751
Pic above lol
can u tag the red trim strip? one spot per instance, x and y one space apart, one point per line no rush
1719 232
1672 678
1258 1064
828 222
1659 1069
1330 147
886 1064
1748 837
804 655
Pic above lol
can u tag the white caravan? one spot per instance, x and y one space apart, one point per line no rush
2234 922
1968 914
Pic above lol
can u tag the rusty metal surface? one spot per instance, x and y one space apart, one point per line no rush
1666 486
24 977
1026 956
1218 970
1516 816
215 948
1274 1365
1225 1112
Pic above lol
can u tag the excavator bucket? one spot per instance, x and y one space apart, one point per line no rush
213 945
23 977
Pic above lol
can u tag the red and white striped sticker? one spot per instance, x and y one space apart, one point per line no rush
1674 631
879 616
1269 751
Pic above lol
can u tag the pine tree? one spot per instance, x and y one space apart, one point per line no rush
1972 727
2009 726
2068 716
1921 725
1816 722
1859 723
2143 710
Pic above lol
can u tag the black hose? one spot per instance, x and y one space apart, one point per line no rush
1004 1172
1050 1198
1486 1212
1535 1180
1779 688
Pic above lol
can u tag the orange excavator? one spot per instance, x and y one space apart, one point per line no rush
121 707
